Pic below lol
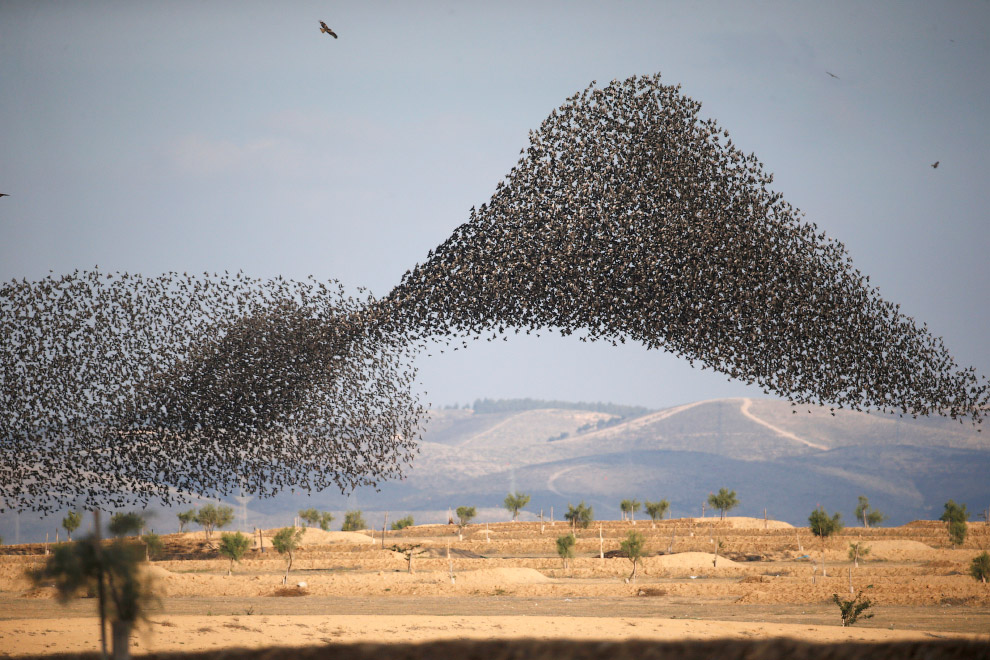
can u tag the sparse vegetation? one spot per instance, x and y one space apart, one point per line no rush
565 547
285 541
823 527
633 546
465 514
410 551
955 517
110 571
233 546
353 522
629 508
725 500
71 522
325 519
857 551
579 516
186 518
402 523
125 524
515 502
309 516
870 517
153 546
211 517
852 610
980 567
656 510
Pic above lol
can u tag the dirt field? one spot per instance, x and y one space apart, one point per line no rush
506 582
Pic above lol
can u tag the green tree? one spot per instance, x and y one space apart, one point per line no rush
628 508
124 524
153 546
310 516
565 547
579 516
325 519
71 522
186 518
656 510
515 502
955 517
353 522
852 610
233 547
870 517
823 527
980 568
465 514
285 541
211 517
857 551
633 546
724 501
112 572
402 523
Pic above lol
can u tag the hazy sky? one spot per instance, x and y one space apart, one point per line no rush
234 135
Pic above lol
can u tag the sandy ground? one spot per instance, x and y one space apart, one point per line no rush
509 583
198 633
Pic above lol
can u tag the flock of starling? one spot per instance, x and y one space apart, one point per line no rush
628 218
119 389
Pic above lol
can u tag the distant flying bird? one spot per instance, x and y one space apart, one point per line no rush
832 74
324 28
4 195
935 165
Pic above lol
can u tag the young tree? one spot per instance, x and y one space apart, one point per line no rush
353 522
629 508
186 518
955 517
857 551
212 517
633 546
325 519
565 547
724 501
124 524
852 610
870 517
71 522
153 546
515 502
110 570
580 515
402 523
656 510
310 516
285 541
823 527
233 546
410 551
980 568
465 514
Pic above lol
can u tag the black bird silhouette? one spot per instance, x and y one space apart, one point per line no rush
324 28
935 165
4 195
832 74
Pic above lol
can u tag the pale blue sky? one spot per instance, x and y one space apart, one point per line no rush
234 135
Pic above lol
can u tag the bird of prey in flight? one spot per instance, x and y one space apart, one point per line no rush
935 165
324 28
4 195
832 74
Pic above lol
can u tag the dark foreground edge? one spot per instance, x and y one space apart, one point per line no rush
775 649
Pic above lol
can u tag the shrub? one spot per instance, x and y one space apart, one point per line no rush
285 541
211 517
515 502
325 519
565 547
153 546
465 514
852 610
580 515
402 523
71 522
870 517
656 510
353 522
980 568
633 546
823 527
124 524
955 517
233 547
309 516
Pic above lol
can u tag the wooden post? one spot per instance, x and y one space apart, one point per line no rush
601 543
450 563
850 580
487 537
542 526
46 543
552 523
766 524
702 509
98 547
384 526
